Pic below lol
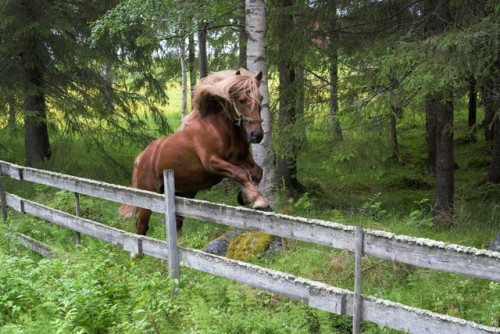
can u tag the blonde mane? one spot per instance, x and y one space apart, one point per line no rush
221 87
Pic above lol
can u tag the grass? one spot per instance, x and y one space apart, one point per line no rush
351 182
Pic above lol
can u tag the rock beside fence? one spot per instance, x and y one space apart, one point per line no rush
243 245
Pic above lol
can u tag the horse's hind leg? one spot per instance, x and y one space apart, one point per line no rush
142 221
179 220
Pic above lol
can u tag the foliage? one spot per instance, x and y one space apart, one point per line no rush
385 59
89 90
82 297
166 24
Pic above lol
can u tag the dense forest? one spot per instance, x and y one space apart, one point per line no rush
381 113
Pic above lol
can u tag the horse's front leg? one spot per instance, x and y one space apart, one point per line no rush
245 176
255 175
254 171
249 193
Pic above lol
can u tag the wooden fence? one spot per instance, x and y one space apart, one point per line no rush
420 252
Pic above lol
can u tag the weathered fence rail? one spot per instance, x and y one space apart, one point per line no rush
416 251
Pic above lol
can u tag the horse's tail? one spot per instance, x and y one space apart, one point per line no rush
127 210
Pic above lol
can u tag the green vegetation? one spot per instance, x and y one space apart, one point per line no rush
98 289
362 98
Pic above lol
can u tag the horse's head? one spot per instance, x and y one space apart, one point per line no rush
246 101
237 95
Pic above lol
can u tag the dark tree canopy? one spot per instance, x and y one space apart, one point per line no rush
60 79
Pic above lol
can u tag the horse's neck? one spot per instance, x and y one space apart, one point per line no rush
225 127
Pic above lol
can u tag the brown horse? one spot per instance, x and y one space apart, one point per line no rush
212 143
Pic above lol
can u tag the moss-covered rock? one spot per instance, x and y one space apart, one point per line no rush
220 245
249 245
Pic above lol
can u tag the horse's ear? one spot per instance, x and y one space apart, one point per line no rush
238 72
258 77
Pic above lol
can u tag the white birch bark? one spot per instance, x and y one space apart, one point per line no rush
256 62
184 78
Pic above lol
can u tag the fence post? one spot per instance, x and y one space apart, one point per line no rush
358 257
170 222
77 210
3 198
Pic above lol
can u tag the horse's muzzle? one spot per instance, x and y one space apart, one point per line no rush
255 137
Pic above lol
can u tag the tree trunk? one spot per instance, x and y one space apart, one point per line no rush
109 103
287 159
334 95
242 59
182 57
395 111
289 98
12 113
334 70
440 106
488 93
202 49
494 175
431 110
472 114
443 205
36 135
191 63
256 62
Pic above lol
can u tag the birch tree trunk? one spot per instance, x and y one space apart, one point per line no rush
256 62
333 54
12 112
182 57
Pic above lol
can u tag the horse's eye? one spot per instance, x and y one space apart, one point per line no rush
243 101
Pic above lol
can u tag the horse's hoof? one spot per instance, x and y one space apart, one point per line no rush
266 209
262 204
134 256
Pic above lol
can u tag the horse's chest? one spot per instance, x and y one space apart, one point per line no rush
235 153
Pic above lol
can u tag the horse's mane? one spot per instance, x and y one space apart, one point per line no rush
221 87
